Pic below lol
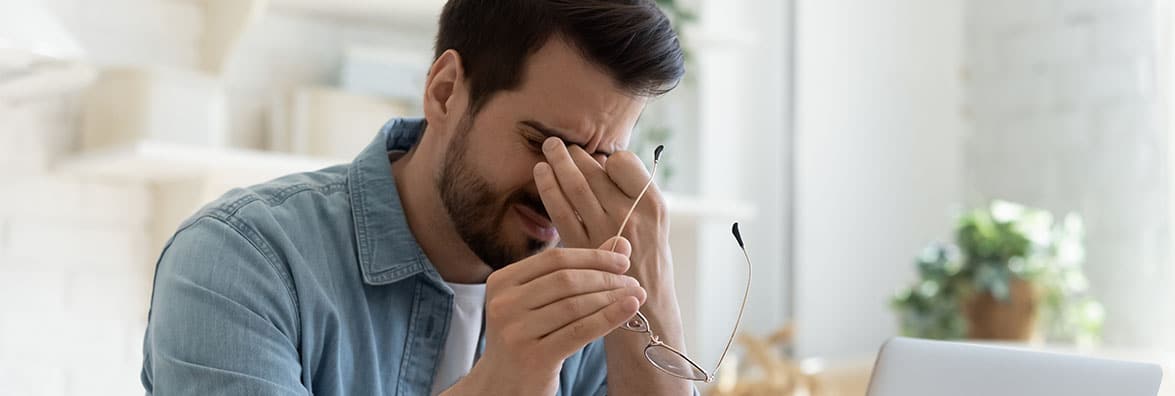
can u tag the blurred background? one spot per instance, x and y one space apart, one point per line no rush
976 169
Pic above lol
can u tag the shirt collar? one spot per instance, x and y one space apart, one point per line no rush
387 250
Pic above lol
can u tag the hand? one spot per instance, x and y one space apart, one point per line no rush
588 198
545 308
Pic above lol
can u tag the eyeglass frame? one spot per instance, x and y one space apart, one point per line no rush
654 340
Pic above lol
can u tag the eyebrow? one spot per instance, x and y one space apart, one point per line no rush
552 132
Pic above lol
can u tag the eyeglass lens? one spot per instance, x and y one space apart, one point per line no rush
674 363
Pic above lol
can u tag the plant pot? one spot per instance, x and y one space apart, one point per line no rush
1015 319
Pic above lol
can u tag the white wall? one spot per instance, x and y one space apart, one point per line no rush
1065 105
878 160
141 32
74 270
763 158
75 256
739 154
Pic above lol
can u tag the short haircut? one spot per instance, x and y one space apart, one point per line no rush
632 40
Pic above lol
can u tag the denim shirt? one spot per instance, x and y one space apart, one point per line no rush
310 284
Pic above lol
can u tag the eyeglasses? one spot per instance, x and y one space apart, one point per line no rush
662 355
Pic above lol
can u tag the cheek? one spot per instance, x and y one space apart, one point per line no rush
522 174
503 161
507 174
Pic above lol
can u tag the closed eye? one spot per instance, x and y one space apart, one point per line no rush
534 142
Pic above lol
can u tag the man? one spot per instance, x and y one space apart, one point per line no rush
374 277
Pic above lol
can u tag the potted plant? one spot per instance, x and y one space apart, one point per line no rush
1011 274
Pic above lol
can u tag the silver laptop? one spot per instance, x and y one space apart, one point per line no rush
912 367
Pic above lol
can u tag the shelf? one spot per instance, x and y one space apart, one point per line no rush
25 74
152 161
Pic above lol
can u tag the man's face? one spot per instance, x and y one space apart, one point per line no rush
486 179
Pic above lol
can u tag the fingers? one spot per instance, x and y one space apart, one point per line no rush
619 245
558 259
567 283
570 228
586 163
626 170
610 197
563 312
575 187
601 159
573 336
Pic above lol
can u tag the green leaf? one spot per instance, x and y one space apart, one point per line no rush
994 246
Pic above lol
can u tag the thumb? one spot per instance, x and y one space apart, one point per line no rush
619 245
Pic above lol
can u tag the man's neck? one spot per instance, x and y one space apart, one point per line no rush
431 225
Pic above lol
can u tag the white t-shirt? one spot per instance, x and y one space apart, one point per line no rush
464 333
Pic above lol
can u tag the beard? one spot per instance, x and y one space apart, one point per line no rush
477 211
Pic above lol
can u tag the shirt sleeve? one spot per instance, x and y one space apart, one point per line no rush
223 317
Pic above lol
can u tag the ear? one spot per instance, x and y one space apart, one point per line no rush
445 92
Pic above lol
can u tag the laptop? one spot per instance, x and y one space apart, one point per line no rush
913 367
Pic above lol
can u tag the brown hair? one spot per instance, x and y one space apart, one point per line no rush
632 40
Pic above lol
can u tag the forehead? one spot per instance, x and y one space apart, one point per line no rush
564 91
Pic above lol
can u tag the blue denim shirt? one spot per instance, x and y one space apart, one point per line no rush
309 284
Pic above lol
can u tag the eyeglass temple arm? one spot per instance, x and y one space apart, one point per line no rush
652 176
742 307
